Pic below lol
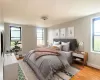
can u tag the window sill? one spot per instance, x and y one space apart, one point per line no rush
95 52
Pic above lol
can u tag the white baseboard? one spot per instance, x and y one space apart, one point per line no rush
93 65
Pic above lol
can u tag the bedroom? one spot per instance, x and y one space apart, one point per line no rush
40 22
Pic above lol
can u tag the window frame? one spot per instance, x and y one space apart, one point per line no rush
93 35
15 37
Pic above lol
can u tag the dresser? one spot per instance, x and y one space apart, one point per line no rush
10 67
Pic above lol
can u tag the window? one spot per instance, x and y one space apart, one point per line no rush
40 36
96 35
15 35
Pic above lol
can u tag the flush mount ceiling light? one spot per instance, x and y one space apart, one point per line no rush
44 17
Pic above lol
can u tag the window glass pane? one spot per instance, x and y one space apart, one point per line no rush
15 28
12 44
39 30
40 42
96 43
39 34
97 27
97 33
39 38
15 33
15 39
15 36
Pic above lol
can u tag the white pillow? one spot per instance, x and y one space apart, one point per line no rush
64 43
56 43
65 46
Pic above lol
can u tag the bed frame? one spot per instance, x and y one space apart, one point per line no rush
73 43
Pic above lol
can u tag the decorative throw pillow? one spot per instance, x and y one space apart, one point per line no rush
65 46
57 47
54 48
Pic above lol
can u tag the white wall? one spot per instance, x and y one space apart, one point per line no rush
45 36
29 41
82 33
50 35
28 37
7 36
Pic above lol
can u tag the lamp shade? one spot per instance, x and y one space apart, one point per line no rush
81 46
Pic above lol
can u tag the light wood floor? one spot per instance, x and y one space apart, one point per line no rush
87 73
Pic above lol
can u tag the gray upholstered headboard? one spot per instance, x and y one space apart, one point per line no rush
73 43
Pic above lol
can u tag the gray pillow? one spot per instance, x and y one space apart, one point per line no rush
65 46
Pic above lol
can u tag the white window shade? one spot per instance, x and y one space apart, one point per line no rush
40 36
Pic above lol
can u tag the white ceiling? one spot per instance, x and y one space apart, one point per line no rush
58 11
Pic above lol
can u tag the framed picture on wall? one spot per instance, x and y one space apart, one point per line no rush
71 32
57 33
62 33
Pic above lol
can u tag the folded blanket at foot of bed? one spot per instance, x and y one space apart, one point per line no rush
47 65
39 52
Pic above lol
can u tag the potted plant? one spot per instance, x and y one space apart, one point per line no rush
16 48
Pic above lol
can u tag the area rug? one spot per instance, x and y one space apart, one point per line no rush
68 74
78 66
20 74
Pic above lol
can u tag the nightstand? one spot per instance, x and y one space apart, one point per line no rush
80 57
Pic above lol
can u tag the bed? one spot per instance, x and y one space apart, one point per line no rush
47 65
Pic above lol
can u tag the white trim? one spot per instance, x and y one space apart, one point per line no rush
91 34
93 65
95 52
91 44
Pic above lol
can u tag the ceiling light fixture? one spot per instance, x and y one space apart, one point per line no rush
44 17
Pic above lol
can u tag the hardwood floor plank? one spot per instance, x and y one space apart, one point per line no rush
87 73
